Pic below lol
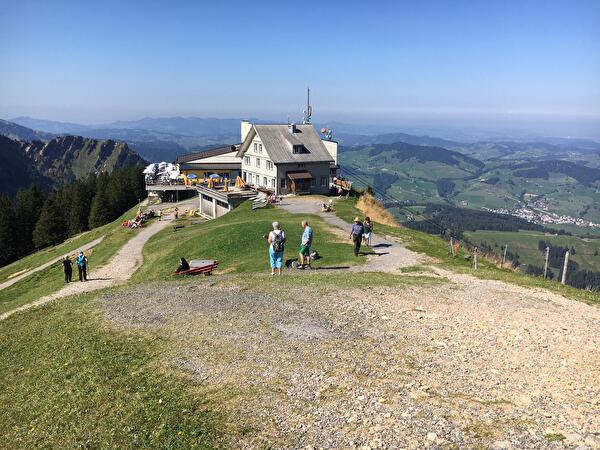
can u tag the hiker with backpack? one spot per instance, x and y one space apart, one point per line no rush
276 239
82 263
305 243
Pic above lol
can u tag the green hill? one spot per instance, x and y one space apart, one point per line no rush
411 172
59 160
16 169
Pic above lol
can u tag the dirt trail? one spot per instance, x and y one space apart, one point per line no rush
389 256
83 248
119 269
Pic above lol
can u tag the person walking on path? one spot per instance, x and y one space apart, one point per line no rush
367 230
307 239
357 234
176 213
68 268
82 263
276 240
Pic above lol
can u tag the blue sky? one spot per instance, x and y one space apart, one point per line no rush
370 61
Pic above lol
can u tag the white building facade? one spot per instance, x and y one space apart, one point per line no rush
286 159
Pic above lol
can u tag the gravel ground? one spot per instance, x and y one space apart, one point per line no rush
462 364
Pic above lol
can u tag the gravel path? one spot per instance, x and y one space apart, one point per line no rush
118 270
83 248
419 365
389 256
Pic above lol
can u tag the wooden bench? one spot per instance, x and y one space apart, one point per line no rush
198 266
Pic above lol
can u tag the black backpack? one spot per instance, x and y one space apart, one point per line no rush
278 241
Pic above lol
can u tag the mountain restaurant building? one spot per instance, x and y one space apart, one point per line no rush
287 159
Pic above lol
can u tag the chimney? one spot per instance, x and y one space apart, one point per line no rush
246 126
292 127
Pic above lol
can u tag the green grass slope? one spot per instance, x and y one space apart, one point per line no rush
525 243
236 241
51 279
71 382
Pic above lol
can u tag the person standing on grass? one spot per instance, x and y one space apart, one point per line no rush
307 239
367 230
276 241
357 234
68 268
82 263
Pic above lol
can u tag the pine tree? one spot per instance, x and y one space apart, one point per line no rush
8 231
51 226
101 208
81 203
28 207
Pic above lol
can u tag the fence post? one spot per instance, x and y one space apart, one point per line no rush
546 263
451 244
475 259
504 256
566 264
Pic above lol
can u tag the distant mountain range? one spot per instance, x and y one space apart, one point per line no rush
22 133
59 160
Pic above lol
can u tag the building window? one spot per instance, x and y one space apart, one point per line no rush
269 165
323 181
283 183
297 149
244 176
273 183
265 181
255 147
257 162
302 165
259 148
247 160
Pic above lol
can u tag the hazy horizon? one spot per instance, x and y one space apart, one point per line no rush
530 67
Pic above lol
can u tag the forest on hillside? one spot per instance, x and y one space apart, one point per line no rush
34 220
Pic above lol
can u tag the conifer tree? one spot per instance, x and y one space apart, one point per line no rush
79 213
7 231
28 207
51 226
101 208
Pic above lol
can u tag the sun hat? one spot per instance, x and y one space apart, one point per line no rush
357 219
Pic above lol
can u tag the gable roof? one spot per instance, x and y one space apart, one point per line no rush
278 142
207 153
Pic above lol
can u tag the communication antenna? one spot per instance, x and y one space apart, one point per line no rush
308 111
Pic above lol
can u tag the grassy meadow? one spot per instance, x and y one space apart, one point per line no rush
52 278
73 382
236 241
525 243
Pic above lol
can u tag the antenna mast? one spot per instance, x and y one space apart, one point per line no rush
308 111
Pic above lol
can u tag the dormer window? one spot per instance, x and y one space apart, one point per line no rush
297 149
